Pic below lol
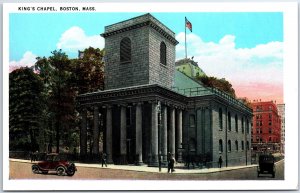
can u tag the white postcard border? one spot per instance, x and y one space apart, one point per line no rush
290 10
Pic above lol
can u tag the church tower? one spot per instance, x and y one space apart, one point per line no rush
139 51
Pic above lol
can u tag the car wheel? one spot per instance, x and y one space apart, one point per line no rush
35 169
71 170
60 171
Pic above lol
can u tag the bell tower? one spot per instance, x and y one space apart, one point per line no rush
139 51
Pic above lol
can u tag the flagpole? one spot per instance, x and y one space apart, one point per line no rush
185 38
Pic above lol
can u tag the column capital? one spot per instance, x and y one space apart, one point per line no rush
108 106
138 103
122 104
153 102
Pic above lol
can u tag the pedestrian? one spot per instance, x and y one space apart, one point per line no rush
34 156
169 161
172 163
103 159
31 156
220 161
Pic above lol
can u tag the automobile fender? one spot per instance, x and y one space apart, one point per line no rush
61 166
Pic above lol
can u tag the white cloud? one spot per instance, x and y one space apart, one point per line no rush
263 63
28 59
75 39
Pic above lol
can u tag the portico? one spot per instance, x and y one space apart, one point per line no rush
133 122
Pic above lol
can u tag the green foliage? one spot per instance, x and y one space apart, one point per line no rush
25 109
221 84
89 71
42 104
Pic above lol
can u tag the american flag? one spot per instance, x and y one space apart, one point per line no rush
188 24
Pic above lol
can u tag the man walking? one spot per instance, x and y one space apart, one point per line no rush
103 159
172 163
220 161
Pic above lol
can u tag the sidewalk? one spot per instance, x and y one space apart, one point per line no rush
178 168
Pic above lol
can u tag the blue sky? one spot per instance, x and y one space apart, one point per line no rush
39 33
245 48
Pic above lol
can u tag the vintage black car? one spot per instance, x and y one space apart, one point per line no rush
266 165
56 163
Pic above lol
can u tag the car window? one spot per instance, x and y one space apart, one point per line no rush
56 158
49 158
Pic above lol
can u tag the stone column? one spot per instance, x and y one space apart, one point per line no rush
138 134
109 134
179 134
164 140
154 135
172 131
83 134
123 137
96 131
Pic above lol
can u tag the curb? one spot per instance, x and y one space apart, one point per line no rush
152 170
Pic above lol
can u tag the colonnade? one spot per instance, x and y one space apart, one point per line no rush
162 134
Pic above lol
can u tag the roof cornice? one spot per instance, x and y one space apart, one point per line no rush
139 25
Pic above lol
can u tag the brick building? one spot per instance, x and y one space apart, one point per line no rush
281 113
148 108
266 130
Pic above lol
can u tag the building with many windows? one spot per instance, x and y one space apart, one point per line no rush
281 113
266 130
149 108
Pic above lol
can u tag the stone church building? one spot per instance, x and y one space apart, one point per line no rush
149 109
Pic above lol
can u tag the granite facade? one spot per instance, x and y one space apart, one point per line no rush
144 67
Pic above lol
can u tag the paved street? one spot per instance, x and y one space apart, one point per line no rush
22 170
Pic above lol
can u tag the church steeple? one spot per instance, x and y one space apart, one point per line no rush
139 51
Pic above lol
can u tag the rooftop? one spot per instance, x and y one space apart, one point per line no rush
191 88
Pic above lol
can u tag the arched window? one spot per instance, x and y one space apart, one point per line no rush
229 146
192 144
236 145
220 146
236 124
220 119
192 121
243 146
163 53
125 50
229 121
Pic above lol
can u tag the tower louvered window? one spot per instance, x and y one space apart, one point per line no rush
125 50
163 53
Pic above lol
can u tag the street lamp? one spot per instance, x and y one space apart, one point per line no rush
159 138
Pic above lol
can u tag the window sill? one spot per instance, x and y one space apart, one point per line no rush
126 62
163 65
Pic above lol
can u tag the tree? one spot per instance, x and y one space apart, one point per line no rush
88 71
61 95
88 76
221 84
64 79
25 109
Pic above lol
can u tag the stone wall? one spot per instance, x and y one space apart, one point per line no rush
234 157
136 72
144 67
159 73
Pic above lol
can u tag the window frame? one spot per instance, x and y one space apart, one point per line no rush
163 53
125 54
